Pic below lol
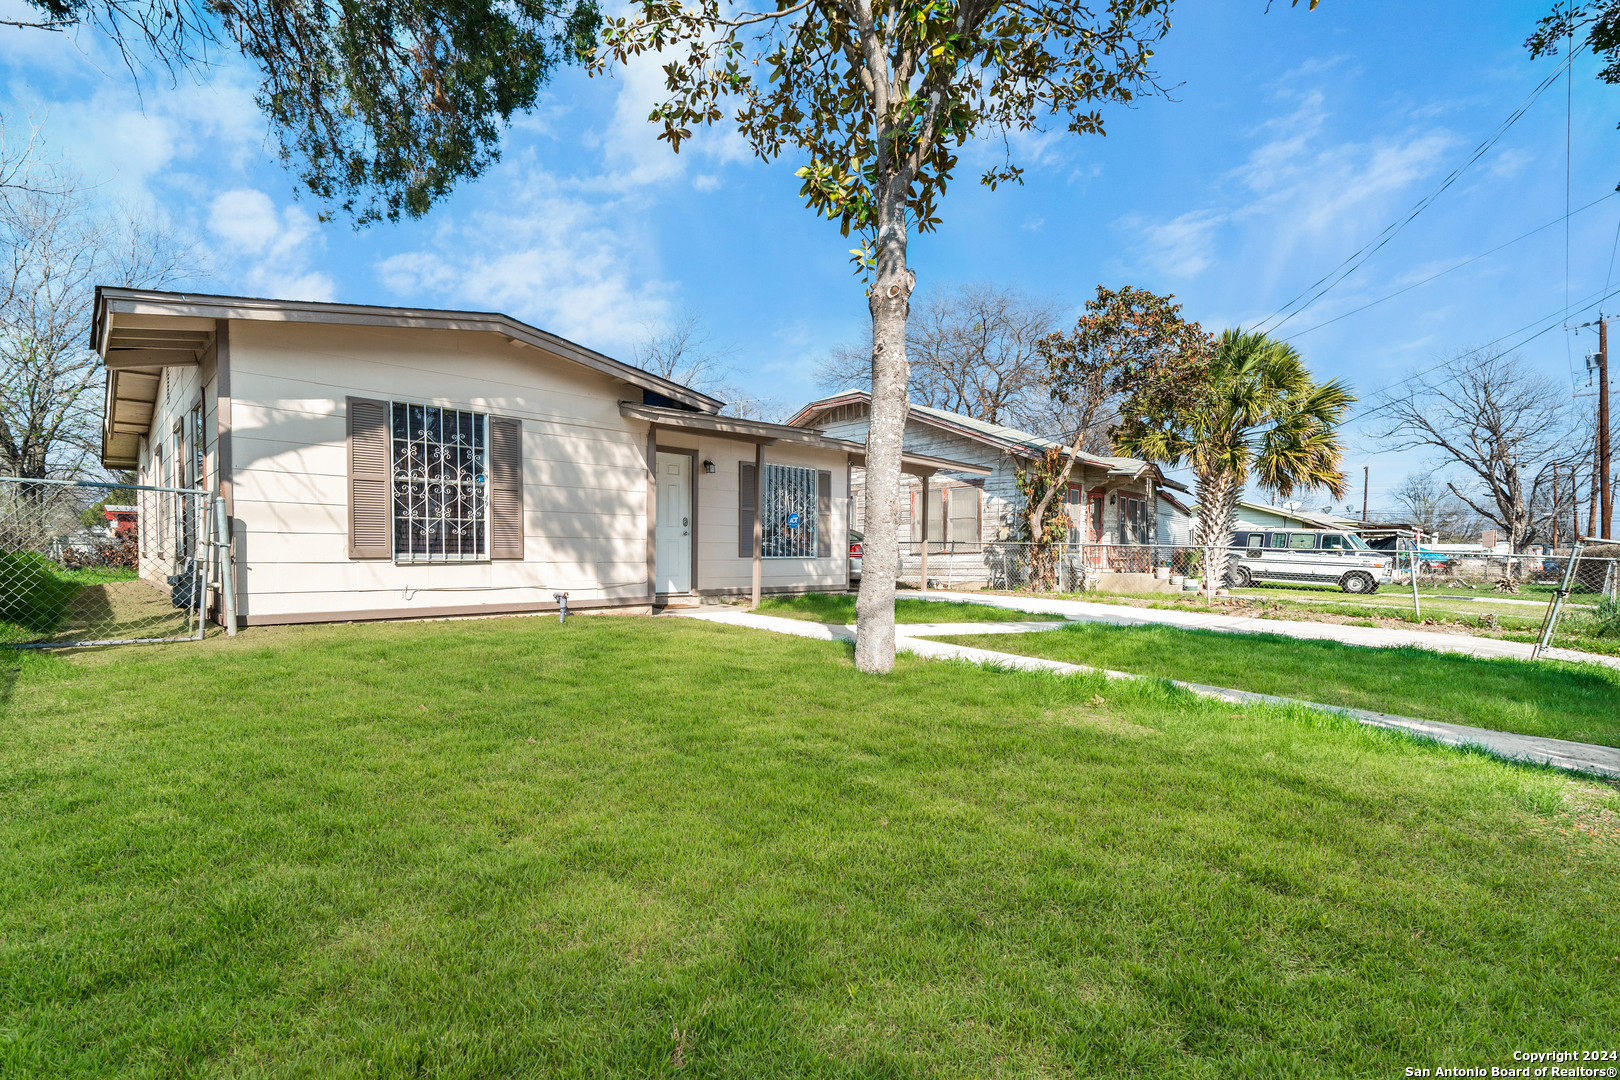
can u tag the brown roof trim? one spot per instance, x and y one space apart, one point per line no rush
761 432
110 300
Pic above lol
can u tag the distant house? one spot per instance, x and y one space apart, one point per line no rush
1253 515
383 462
1109 500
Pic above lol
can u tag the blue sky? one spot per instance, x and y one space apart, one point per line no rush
1291 138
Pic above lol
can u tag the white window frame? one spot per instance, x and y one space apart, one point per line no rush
419 486
789 489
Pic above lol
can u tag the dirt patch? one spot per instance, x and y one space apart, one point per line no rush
1076 716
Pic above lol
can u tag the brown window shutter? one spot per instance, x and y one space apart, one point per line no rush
505 488
371 480
823 514
745 509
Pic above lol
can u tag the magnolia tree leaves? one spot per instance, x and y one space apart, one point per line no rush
870 95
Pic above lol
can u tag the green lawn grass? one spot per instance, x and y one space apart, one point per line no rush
661 847
840 610
1561 700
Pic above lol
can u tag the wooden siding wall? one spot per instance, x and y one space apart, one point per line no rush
1002 504
584 470
720 569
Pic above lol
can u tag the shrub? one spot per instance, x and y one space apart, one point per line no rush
32 595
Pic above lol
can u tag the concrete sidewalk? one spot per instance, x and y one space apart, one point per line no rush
1370 636
1578 757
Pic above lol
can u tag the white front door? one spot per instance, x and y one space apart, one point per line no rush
674 523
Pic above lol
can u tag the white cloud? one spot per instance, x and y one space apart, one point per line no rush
570 253
1296 191
1182 247
573 264
271 251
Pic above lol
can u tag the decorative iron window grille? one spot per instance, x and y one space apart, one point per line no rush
789 491
441 501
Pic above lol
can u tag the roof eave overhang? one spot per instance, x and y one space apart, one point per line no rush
113 301
758 431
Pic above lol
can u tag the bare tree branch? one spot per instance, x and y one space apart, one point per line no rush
1490 414
55 247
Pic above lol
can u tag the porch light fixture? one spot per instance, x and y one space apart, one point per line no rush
708 466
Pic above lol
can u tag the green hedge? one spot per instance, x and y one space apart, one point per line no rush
33 595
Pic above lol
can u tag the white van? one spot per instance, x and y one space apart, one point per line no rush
1306 556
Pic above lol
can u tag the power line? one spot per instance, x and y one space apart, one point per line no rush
1587 304
1360 256
1466 262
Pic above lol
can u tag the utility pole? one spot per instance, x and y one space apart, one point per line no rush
1365 483
1603 426
1555 507
1592 503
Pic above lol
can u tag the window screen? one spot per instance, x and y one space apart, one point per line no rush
936 514
964 507
788 518
441 503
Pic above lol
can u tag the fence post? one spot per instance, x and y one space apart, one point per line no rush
1549 623
227 576
1412 566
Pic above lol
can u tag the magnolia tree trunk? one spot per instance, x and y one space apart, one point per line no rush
890 304
1217 507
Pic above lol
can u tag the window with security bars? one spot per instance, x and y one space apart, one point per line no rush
441 501
788 518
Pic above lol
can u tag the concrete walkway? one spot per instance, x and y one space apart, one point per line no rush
1370 636
1578 757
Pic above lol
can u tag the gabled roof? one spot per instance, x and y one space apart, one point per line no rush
111 301
1024 444
138 332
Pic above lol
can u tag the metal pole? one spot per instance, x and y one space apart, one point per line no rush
1417 609
1606 513
227 575
922 580
1549 624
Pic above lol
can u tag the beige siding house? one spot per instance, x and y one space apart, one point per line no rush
395 463
1108 498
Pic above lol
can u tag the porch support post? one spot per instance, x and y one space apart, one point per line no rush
922 582
759 507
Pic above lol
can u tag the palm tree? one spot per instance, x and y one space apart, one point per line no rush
1260 414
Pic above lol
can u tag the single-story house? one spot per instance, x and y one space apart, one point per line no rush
384 462
1107 501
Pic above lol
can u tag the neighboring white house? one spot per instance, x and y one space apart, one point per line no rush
391 462
1253 515
1107 501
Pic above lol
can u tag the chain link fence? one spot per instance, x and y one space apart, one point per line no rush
102 564
1517 589
1596 575
1065 568
1051 568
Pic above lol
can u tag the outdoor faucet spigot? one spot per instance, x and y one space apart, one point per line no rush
562 605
